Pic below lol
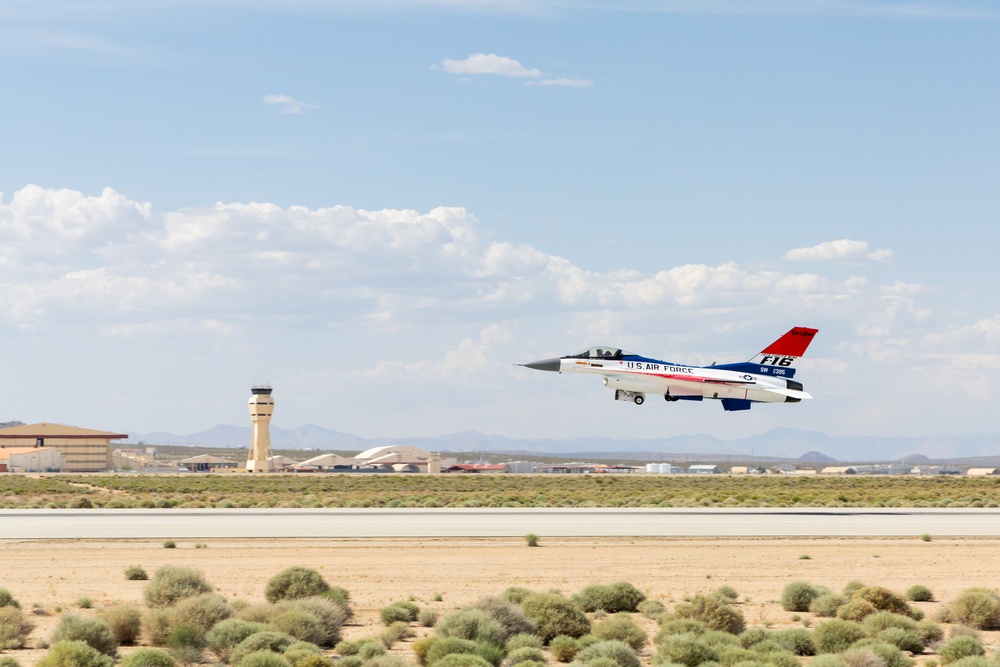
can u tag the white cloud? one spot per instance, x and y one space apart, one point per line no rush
489 63
287 104
844 250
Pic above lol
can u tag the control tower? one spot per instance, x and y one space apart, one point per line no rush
261 408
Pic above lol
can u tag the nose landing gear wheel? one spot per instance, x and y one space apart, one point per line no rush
639 399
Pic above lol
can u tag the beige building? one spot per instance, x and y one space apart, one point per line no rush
30 459
83 449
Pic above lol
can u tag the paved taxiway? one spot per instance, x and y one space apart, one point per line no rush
575 522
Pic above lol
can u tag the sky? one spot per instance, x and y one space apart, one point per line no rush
379 207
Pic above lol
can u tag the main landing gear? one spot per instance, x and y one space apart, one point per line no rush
629 396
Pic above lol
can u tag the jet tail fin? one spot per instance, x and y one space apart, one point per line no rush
785 351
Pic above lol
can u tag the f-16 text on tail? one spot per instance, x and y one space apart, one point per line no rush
767 378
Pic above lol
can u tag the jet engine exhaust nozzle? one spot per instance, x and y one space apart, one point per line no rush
544 365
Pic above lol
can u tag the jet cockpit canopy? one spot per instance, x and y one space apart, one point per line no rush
602 352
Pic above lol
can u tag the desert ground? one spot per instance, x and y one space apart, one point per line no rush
51 575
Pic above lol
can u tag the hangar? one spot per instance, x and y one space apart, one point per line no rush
83 449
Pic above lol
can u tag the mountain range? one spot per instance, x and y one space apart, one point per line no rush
776 443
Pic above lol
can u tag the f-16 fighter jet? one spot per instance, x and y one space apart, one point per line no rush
766 378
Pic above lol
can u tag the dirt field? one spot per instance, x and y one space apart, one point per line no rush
51 574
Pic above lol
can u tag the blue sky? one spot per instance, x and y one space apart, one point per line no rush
380 206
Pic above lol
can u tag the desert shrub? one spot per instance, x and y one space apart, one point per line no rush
856 610
385 661
227 634
827 660
679 626
7 661
135 573
461 660
148 657
826 605
683 649
524 639
399 611
796 640
156 624
472 624
427 617
201 612
257 613
393 633
905 640
491 653
972 661
719 640
976 607
507 614
444 646
264 659
14 627
713 613
960 647
185 643
515 594
295 582
651 609
734 655
350 661
7 600
612 598
622 628
525 653
370 649
92 631
330 616
752 636
585 641
929 632
304 654
341 596
171 583
298 623
621 653
555 615
727 592
563 648
883 620
861 657
260 641
125 622
882 599
853 587
836 635
797 596
419 647
74 653
890 655
918 593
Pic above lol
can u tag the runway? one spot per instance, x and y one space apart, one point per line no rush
556 522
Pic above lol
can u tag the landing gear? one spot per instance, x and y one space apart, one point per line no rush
670 399
629 396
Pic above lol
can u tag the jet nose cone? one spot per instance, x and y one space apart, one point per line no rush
544 365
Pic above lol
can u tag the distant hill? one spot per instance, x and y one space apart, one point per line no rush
816 457
781 443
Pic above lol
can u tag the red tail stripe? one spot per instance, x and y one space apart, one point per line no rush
793 343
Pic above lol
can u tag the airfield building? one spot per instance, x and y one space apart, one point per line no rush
82 449
31 459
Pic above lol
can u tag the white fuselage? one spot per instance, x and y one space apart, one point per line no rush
679 381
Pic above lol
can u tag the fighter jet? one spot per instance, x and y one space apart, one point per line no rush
766 378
